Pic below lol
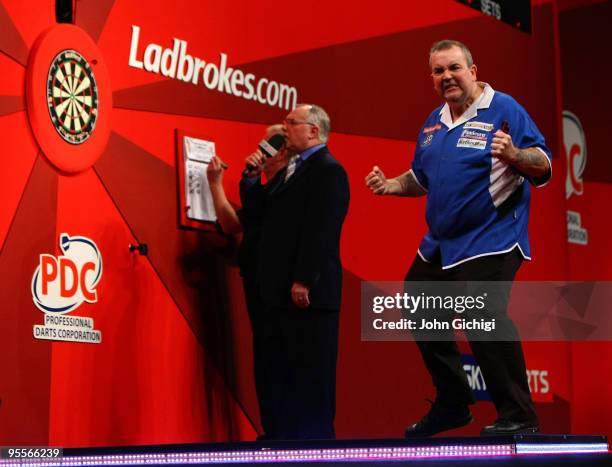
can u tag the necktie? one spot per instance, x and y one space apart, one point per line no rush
291 166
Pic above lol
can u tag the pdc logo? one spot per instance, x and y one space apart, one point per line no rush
61 284
576 154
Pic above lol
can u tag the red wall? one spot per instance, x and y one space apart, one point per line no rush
585 94
174 365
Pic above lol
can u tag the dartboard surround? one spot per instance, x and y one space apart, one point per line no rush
72 96
69 98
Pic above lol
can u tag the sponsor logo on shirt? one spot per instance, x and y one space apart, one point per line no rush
471 143
472 139
431 129
427 141
429 134
479 126
471 134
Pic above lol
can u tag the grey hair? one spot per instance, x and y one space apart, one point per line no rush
274 130
319 117
446 44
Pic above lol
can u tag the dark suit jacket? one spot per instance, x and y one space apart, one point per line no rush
301 221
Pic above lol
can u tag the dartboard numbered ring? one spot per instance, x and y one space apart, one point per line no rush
72 96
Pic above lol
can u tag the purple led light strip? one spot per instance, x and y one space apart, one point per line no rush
562 448
298 455
316 455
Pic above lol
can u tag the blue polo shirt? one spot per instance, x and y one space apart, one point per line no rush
477 205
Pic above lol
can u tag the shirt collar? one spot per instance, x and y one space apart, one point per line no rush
310 151
482 102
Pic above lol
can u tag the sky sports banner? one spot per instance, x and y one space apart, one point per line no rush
441 311
539 380
175 62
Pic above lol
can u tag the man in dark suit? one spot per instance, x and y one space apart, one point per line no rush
247 222
299 275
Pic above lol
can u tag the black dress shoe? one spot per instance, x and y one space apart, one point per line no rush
508 427
438 419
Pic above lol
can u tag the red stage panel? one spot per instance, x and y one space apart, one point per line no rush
29 18
11 79
12 43
25 390
585 95
91 16
149 381
19 152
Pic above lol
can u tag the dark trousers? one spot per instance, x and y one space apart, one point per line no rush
501 361
264 389
298 351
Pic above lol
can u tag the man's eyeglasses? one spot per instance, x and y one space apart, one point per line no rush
292 122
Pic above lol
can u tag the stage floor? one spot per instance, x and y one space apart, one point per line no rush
557 450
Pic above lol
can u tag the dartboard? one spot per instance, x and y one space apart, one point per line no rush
72 96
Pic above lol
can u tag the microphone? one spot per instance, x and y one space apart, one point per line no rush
268 148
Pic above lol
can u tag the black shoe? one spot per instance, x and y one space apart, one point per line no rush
440 418
508 427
